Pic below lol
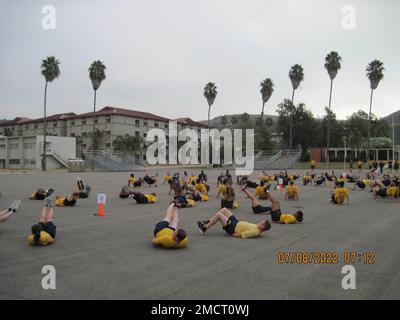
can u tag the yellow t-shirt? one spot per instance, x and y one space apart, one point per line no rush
59 202
367 182
268 178
44 240
132 180
292 191
151 198
247 230
222 188
260 192
308 178
392 191
164 239
287 218
191 202
204 197
191 179
167 178
341 194
200 187
235 205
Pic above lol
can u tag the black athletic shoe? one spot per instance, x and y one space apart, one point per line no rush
49 192
201 226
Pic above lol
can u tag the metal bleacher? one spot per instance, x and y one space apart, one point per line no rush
275 159
106 160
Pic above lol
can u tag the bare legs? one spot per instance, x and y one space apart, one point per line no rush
47 214
5 214
172 216
252 197
221 216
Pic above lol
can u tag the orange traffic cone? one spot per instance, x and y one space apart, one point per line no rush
100 211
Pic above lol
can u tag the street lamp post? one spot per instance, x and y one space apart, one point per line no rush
345 152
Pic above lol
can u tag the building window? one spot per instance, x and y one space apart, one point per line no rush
137 134
137 123
72 134
108 120
83 122
29 145
83 145
156 124
14 146
145 124
72 123
55 124
33 161
108 145
15 161
36 126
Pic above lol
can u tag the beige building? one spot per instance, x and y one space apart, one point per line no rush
111 121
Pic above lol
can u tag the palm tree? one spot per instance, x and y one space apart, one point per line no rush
96 75
375 75
296 75
210 93
127 143
97 139
267 88
50 71
332 65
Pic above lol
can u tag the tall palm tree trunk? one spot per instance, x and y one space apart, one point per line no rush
262 111
290 124
369 123
328 126
94 126
94 120
208 119
44 128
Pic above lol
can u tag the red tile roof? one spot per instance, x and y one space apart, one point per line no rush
17 120
54 117
190 122
105 111
123 112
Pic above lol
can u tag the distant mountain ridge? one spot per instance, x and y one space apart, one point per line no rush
216 122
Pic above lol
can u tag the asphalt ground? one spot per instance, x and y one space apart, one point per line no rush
112 257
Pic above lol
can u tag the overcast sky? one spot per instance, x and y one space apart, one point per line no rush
160 53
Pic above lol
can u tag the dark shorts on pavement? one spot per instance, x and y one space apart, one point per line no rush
231 225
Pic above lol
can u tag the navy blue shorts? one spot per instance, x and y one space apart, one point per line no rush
68 203
140 198
276 215
226 204
162 225
260 209
231 225
49 227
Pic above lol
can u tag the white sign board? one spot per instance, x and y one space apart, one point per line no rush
101 198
